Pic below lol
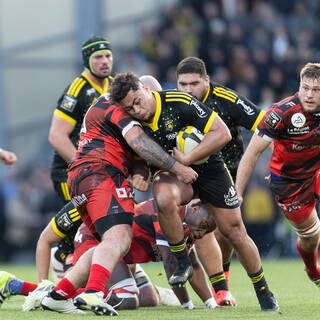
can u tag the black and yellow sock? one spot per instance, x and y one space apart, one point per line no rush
179 250
259 282
226 266
218 281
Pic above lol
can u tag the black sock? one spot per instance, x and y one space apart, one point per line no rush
180 252
56 296
259 282
218 281
226 266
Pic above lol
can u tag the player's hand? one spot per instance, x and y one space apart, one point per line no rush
139 182
179 156
8 158
183 173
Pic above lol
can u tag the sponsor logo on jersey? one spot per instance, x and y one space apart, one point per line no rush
200 112
292 206
299 147
68 103
231 198
298 131
64 221
273 119
298 120
79 200
169 124
90 92
247 109
171 136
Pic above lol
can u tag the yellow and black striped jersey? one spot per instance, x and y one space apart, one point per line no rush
175 110
72 107
236 111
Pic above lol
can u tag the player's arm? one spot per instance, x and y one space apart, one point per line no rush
43 251
248 162
170 264
140 175
217 135
149 150
59 132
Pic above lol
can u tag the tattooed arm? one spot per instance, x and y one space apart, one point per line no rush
149 150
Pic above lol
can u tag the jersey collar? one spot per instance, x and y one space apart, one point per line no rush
207 94
154 125
95 86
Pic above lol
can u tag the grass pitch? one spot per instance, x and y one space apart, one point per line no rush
297 296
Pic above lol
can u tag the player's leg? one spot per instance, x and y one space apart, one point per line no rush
123 290
307 244
169 193
209 254
226 250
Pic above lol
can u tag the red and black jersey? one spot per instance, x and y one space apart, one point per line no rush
146 235
72 106
296 137
101 139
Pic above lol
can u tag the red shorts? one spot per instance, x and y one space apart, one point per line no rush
109 195
296 199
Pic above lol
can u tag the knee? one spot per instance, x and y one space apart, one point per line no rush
166 202
235 233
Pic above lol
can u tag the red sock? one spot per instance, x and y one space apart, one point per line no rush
79 291
311 262
98 278
27 287
65 288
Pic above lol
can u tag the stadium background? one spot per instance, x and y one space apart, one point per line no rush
255 47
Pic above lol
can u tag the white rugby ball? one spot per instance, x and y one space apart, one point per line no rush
187 139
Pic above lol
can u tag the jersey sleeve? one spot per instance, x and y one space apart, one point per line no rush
69 104
66 222
271 125
243 112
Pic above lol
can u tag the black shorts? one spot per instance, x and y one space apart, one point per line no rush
215 185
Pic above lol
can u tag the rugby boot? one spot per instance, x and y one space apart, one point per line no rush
181 275
61 306
224 298
268 302
95 302
5 279
32 301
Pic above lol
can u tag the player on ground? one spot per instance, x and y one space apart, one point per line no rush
163 114
293 125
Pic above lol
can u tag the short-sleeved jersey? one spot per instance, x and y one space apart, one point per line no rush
72 106
102 137
296 137
175 110
236 111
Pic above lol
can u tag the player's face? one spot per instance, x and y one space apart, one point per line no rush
140 104
193 84
101 63
309 94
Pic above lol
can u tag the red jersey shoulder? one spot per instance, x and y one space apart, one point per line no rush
278 113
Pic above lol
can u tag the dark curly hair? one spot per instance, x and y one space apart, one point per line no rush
122 84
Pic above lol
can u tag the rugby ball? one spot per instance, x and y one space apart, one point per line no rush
187 139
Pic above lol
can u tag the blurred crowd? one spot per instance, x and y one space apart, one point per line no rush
255 47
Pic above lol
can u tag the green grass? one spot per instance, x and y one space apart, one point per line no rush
297 296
